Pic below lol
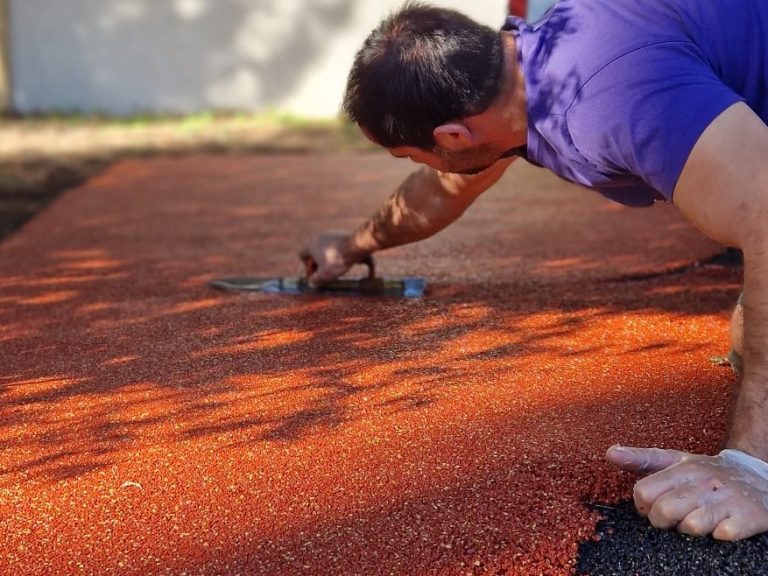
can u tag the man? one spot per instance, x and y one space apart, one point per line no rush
663 100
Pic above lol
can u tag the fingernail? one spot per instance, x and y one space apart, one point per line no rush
621 454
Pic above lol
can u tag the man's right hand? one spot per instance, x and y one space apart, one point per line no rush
330 256
425 203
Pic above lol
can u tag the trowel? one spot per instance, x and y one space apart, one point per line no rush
370 285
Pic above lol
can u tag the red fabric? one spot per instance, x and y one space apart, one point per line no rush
518 8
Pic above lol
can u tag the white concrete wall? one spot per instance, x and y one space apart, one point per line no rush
130 56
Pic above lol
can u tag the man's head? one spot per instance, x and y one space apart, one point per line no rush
418 74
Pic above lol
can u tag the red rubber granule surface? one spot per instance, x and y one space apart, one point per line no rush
151 425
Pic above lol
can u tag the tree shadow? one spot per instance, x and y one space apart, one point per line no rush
121 382
515 504
144 333
195 55
115 349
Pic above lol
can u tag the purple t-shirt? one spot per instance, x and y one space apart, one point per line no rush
619 91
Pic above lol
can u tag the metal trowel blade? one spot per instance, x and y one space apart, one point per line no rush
402 288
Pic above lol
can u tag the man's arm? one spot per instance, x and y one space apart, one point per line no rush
723 191
425 203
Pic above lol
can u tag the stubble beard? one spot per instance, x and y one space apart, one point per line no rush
469 162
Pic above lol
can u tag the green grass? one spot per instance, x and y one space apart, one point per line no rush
85 135
186 122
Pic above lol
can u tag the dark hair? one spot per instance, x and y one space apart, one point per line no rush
423 66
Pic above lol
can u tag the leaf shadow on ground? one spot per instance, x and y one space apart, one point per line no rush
272 369
112 334
117 347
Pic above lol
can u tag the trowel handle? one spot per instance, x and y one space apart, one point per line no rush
311 266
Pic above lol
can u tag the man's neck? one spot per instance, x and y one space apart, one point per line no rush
512 107
504 124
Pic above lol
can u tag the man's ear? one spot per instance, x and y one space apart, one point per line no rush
454 136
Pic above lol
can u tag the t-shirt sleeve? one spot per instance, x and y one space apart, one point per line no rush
643 113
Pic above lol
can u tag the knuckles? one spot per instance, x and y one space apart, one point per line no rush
725 504
728 532
664 514
693 524
643 497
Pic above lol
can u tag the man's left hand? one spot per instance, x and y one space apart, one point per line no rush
724 495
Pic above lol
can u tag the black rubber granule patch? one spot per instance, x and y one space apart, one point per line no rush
627 545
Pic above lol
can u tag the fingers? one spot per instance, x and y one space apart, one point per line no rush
724 522
703 495
741 525
732 528
323 276
326 258
704 520
676 481
305 254
643 460
312 271
674 506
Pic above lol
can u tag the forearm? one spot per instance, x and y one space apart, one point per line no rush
723 190
425 203
417 210
749 428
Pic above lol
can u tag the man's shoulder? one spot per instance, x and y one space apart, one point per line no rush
579 38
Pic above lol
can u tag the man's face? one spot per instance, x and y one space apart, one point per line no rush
468 161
